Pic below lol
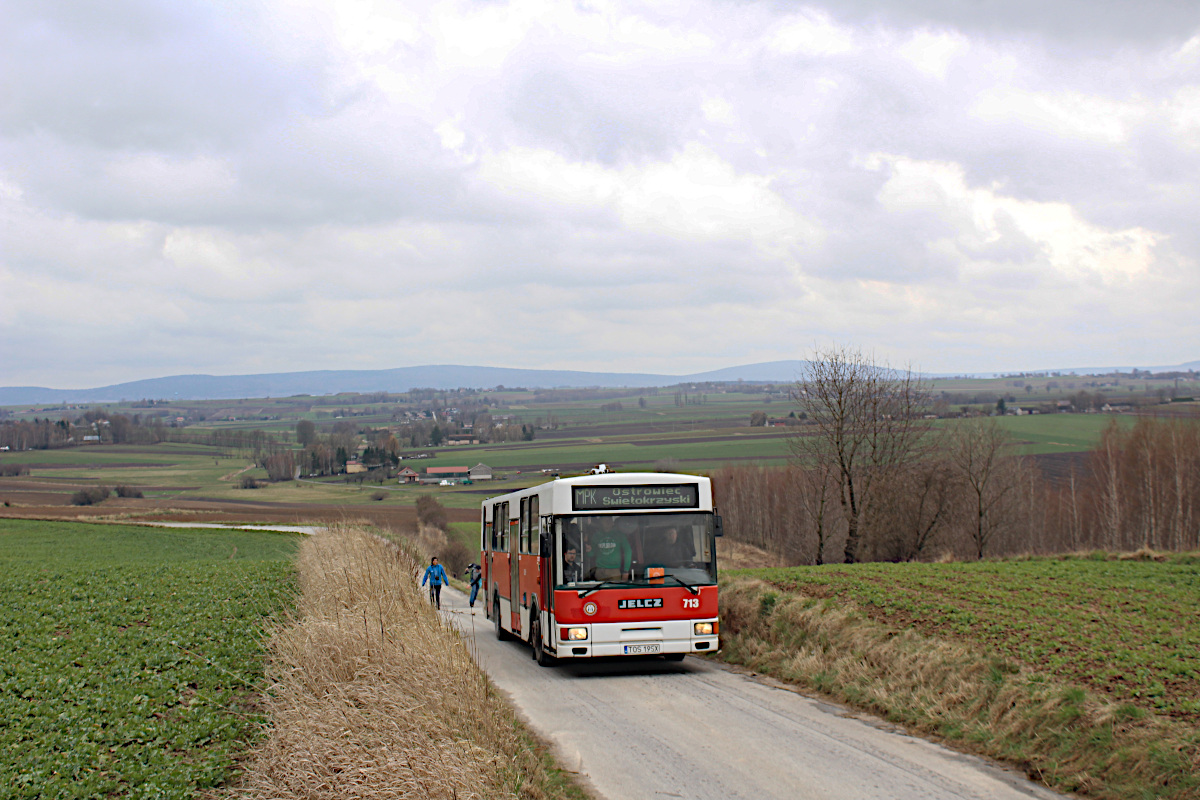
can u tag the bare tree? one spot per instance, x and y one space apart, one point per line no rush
817 495
866 426
914 509
306 432
976 449
1074 526
280 466
1106 468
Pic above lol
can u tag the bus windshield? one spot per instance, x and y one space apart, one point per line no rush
637 549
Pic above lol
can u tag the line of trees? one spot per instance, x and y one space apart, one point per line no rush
871 481
102 427
49 434
1141 490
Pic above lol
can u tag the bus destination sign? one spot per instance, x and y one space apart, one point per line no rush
629 498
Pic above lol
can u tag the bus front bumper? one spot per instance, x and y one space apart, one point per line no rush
638 639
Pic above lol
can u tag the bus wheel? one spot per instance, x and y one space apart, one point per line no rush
540 655
501 634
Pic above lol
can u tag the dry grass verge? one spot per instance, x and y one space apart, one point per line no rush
374 697
1061 735
740 555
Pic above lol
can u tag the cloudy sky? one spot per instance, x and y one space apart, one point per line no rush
668 187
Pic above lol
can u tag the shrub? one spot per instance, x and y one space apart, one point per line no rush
13 470
430 512
90 496
280 466
455 556
378 495
129 491
249 482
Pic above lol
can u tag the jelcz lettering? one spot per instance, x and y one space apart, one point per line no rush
640 602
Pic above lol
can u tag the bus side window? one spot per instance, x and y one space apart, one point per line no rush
533 522
499 527
487 535
525 526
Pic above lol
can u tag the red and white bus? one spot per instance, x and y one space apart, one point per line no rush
615 564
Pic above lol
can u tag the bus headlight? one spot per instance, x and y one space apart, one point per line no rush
572 634
705 628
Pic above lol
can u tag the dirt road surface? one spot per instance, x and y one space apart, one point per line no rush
699 730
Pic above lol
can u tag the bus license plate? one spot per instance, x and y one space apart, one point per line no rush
642 649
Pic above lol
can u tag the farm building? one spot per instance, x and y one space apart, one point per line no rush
481 472
436 474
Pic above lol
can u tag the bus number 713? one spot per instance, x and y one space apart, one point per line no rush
615 564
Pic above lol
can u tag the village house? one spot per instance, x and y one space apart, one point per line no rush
408 475
438 474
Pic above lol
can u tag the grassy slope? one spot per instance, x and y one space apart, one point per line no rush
131 654
377 696
1085 672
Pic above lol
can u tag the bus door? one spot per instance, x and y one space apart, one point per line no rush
485 554
514 562
496 563
546 556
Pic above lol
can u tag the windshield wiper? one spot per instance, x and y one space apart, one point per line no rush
599 586
690 587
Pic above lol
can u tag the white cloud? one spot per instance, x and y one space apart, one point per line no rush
694 196
1183 113
810 33
718 110
933 52
978 216
1067 114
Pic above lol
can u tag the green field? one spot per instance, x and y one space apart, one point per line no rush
132 655
1126 629
1060 433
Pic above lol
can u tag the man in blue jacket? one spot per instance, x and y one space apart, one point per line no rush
435 573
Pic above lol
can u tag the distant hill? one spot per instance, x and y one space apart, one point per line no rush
403 379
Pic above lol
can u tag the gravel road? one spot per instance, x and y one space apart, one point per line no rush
697 729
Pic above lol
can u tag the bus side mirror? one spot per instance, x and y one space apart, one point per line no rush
718 527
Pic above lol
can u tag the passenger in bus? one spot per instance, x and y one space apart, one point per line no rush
666 548
572 570
609 549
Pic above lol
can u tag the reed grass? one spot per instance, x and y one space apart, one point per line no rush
374 696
